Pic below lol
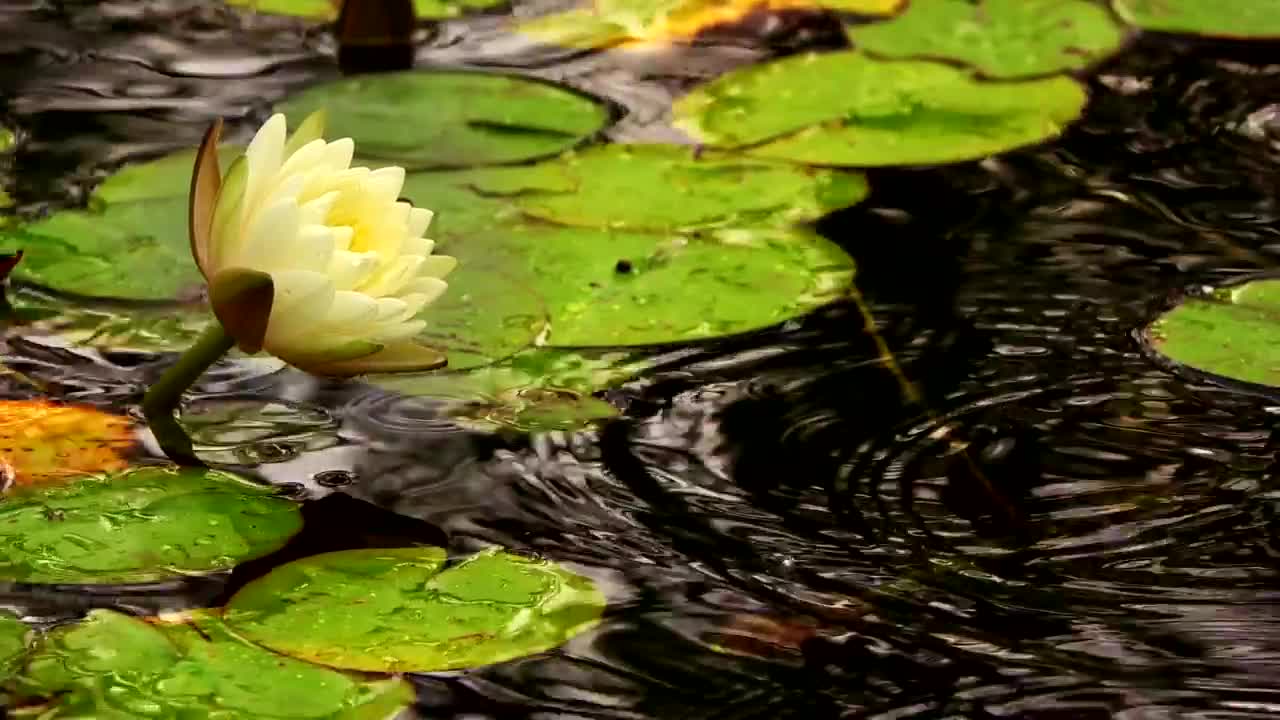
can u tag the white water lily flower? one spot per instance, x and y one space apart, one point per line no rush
317 262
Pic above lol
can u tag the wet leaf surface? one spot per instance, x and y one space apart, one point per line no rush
1233 333
112 665
43 442
328 9
134 250
451 119
538 390
1001 38
1219 18
168 176
115 328
13 644
682 189
843 108
138 526
656 22
399 610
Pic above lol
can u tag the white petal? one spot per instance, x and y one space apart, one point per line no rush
337 154
351 313
267 241
392 276
429 287
348 269
301 300
437 266
316 210
385 183
264 156
419 221
392 310
313 248
308 158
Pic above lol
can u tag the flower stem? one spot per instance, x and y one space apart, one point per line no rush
161 400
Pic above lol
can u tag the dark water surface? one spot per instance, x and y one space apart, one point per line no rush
1055 527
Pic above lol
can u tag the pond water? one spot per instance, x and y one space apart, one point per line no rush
1019 515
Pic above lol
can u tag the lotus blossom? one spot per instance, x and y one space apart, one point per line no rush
312 260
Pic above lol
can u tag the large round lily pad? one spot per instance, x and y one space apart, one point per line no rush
328 9
113 666
844 108
132 250
624 22
142 525
670 187
1001 38
609 289
1216 18
451 119
42 441
1232 333
400 610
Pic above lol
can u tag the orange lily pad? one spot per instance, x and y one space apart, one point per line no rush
42 441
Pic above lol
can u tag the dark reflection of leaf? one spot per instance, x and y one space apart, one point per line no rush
113 666
400 610
141 525
447 119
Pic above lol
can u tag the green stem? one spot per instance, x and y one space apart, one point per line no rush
161 400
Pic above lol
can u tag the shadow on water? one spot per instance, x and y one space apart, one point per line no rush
1018 516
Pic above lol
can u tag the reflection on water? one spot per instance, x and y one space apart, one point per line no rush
1037 522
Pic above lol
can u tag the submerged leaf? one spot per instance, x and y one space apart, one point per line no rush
42 442
844 108
13 644
1001 38
142 525
114 666
450 119
1233 333
395 610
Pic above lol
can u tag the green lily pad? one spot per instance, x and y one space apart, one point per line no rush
142 525
13 643
1001 38
613 22
400 610
328 9
844 108
451 119
538 390
1233 333
114 666
1215 18
134 250
612 289
168 176
669 187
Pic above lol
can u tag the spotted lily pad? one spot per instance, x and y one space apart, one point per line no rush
131 250
625 22
328 9
113 666
669 187
537 390
13 643
611 289
1216 18
1231 333
1001 38
844 108
402 610
451 119
141 525
42 442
